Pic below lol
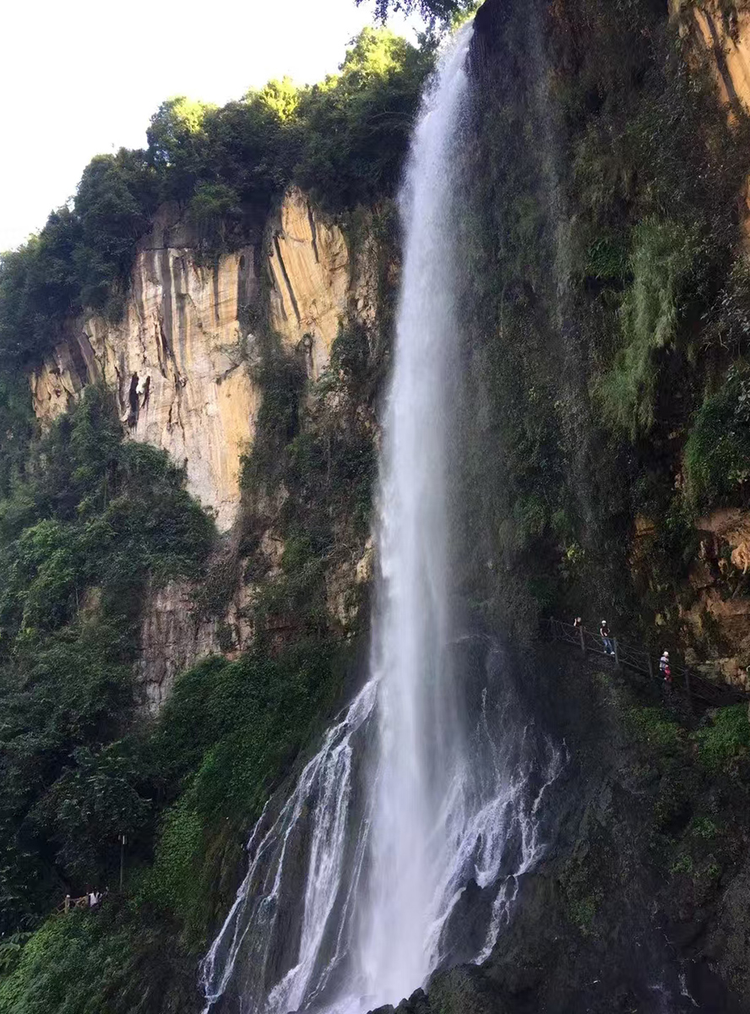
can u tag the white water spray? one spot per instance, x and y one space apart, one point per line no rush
417 716
353 882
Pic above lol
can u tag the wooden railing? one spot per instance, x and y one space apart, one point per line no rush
638 659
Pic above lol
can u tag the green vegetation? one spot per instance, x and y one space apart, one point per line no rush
92 522
725 743
86 963
343 140
608 301
661 259
195 781
698 776
226 737
607 344
317 468
660 730
717 452
445 11
89 522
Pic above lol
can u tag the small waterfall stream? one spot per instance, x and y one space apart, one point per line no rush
430 782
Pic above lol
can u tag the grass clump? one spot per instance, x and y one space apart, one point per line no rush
663 253
226 737
725 742
717 452
656 728
94 962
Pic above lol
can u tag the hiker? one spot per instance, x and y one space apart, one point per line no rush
577 623
664 662
606 638
667 679
94 899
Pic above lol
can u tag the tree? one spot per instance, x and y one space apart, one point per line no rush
433 11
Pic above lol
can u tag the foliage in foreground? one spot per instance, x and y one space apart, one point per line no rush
92 522
228 735
95 962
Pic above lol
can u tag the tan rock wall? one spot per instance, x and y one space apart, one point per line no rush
726 34
311 273
176 362
176 366
175 634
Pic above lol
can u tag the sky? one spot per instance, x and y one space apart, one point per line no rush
83 77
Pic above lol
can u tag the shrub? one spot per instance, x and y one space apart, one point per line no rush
717 452
663 253
726 741
81 535
96 962
658 730
344 139
227 736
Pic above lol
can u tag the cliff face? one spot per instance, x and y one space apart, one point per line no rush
310 270
640 902
177 360
181 362
175 634
174 361
620 457
723 29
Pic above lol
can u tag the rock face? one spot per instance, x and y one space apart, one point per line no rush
176 360
175 634
310 270
724 29
717 601
711 605
178 364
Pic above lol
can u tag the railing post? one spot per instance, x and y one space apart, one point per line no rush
583 640
617 653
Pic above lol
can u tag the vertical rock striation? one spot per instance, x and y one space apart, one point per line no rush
175 361
177 358
310 271
178 364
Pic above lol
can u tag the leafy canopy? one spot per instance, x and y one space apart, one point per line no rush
344 139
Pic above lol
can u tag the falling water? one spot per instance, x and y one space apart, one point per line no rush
427 784
421 763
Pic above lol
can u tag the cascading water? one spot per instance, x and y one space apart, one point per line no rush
427 785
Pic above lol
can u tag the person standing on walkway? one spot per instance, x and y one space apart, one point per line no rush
667 680
664 662
606 638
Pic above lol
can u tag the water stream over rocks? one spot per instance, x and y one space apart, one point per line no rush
400 847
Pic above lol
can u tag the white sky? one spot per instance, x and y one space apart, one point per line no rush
83 77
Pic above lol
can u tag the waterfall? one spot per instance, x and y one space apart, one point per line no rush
421 763
428 788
